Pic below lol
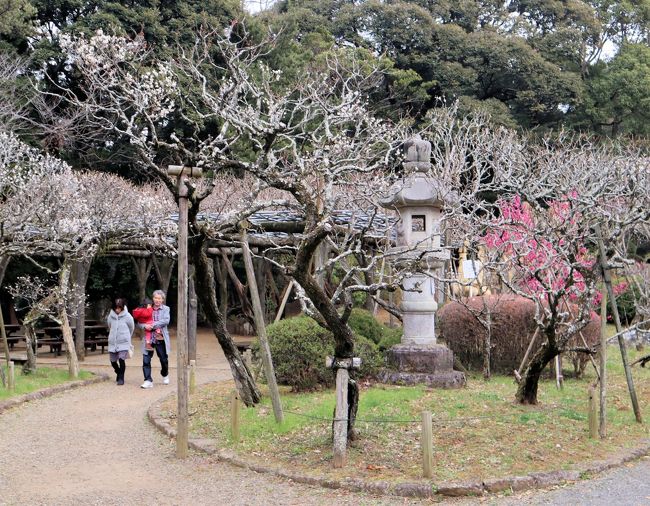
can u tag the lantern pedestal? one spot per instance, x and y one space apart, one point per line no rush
431 365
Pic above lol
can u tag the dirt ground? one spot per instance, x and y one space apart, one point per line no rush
94 445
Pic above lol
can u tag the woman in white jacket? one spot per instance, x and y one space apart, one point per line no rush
121 325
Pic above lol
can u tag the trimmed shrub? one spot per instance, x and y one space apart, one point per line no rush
299 347
363 323
513 326
390 338
371 358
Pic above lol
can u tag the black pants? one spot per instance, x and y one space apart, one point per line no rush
161 351
119 369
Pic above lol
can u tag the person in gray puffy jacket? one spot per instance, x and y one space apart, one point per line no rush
121 326
160 341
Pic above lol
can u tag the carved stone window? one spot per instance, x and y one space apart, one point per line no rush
418 223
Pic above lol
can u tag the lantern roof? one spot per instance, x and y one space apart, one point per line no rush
418 187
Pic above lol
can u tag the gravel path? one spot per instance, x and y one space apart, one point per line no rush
94 445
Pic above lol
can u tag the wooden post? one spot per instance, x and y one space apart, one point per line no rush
559 380
285 298
523 360
341 417
182 416
607 276
12 376
593 413
192 308
192 376
260 327
235 416
427 445
602 428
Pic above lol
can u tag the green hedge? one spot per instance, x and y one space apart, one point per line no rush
299 347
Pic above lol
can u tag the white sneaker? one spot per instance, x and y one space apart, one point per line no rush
165 380
147 384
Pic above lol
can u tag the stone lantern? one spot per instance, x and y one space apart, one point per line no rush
419 199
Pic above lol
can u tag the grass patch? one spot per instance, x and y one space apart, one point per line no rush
479 432
44 377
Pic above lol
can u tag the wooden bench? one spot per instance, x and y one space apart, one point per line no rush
15 360
55 345
93 343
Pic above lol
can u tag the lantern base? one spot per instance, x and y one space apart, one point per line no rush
431 365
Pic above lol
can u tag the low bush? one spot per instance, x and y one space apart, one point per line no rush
363 323
390 337
299 347
513 326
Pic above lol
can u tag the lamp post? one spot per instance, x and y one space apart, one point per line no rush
182 427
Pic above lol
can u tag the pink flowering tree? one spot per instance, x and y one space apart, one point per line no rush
541 255
556 203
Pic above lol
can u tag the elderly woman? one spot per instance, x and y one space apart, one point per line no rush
121 326
160 340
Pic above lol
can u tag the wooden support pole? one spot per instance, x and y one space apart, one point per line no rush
559 379
12 376
525 359
602 427
427 445
192 309
607 276
285 298
192 376
593 413
182 416
235 417
341 417
260 327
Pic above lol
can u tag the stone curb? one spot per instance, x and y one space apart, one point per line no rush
48 392
412 489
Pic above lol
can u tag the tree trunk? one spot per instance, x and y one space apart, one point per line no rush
205 290
5 342
4 262
30 344
142 270
527 390
80 277
240 289
164 268
223 287
487 354
71 354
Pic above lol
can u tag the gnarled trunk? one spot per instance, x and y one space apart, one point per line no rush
205 291
344 342
71 353
527 390
80 277
30 344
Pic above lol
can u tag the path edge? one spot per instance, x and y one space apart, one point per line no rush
50 391
536 480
